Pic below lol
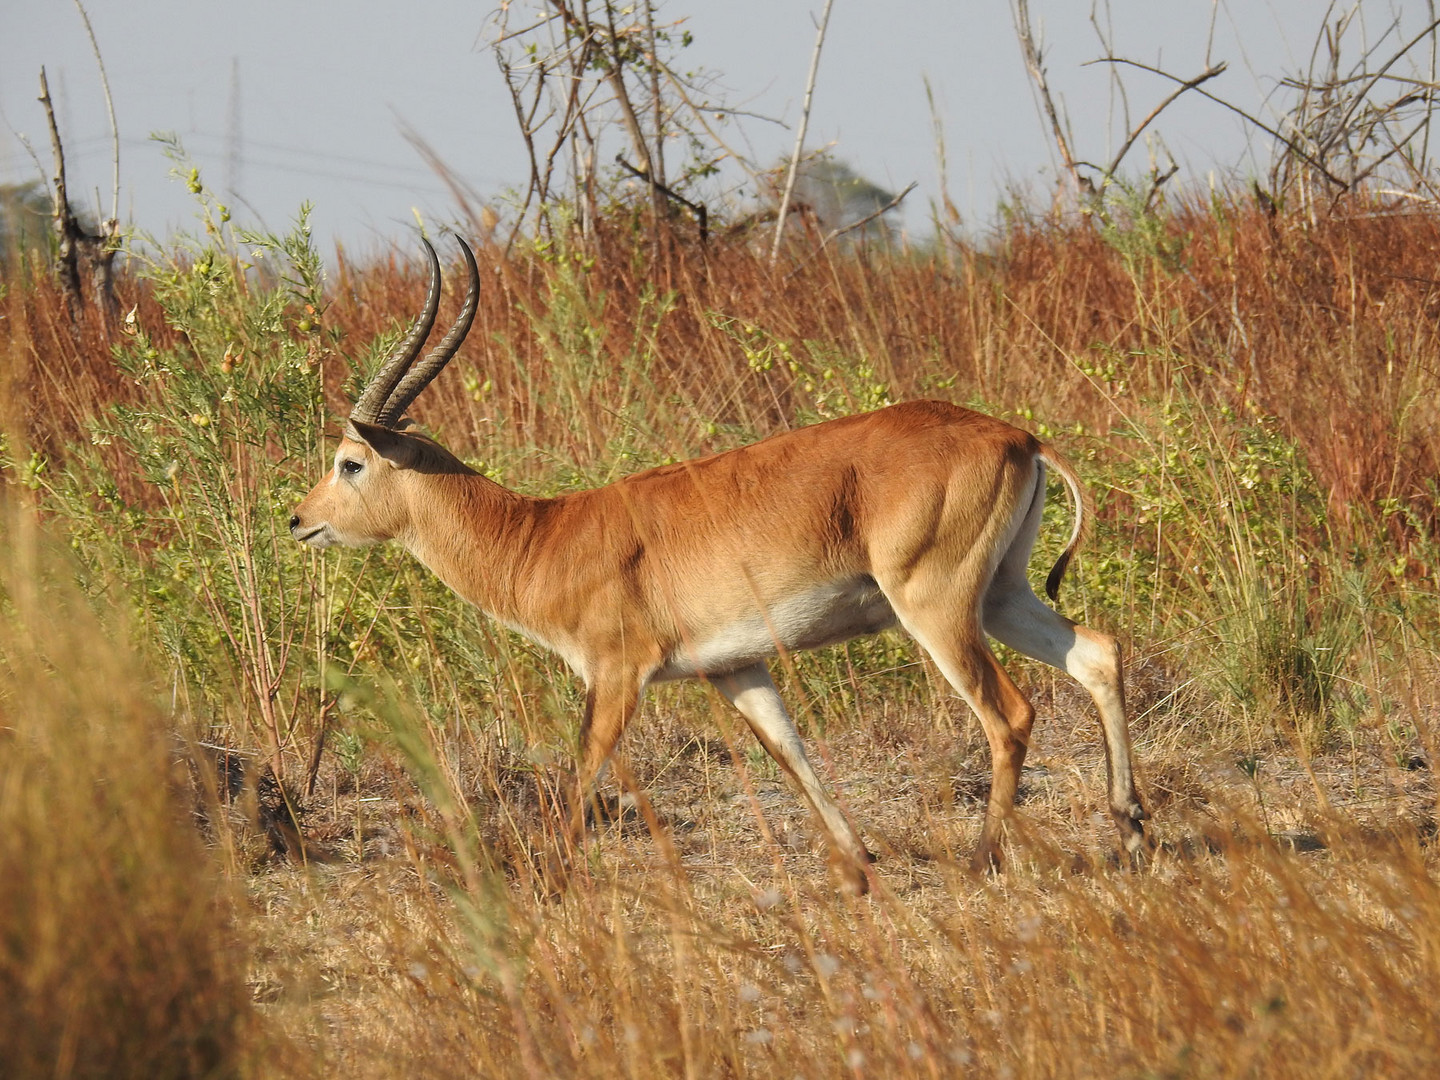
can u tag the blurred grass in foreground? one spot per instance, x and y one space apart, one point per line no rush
119 955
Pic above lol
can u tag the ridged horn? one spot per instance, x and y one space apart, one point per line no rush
423 373
380 389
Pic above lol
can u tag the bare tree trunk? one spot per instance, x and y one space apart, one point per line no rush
77 248
66 227
659 102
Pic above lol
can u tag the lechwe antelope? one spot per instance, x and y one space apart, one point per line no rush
921 514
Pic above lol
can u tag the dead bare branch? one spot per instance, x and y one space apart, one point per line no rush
1248 117
111 226
702 215
800 133
852 226
1035 65
1375 79
1189 84
834 234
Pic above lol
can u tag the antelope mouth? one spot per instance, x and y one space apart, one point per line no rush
318 537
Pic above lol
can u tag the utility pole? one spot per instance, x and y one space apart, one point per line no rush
234 155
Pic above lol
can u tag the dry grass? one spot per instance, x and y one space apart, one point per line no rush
1256 403
1274 935
119 955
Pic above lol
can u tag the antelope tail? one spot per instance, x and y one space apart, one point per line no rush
1077 534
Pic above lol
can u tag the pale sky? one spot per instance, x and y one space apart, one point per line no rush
325 87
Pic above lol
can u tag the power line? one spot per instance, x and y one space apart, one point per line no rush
281 148
424 179
84 147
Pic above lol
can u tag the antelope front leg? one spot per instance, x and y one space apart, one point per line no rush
609 704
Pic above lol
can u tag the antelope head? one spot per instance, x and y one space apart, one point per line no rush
370 493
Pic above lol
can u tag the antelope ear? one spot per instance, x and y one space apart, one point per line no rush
396 448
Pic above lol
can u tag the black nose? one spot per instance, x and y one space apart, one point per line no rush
294 522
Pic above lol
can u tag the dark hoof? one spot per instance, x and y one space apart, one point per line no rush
1136 847
985 862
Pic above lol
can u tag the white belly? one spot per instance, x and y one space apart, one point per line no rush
832 612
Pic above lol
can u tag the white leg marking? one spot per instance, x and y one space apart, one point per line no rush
1014 615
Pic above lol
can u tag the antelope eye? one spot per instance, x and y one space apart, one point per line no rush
351 467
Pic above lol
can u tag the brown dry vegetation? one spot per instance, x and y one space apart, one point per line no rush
1254 399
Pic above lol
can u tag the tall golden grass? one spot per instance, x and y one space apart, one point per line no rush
119 955
1254 399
